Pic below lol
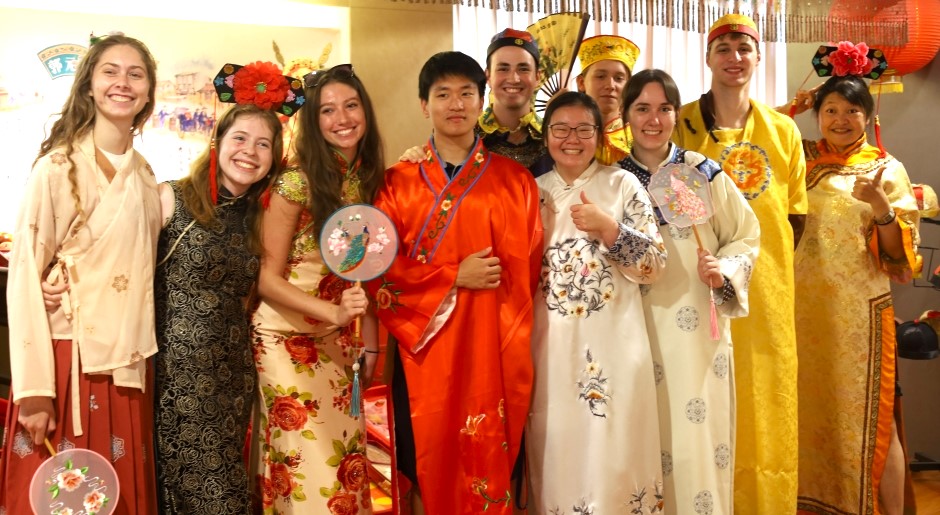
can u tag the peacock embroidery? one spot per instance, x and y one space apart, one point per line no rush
354 247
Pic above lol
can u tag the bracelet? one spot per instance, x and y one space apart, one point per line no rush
371 351
887 218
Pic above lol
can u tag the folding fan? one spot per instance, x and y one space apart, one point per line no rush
558 37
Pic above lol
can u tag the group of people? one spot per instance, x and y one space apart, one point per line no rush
555 343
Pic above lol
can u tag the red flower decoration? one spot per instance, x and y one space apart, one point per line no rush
288 414
267 491
261 84
342 503
383 298
281 479
303 350
849 59
331 288
352 472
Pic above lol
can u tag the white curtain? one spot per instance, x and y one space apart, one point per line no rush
678 52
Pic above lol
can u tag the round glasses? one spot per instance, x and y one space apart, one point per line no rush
314 78
562 131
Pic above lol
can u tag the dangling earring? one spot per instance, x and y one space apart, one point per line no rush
213 181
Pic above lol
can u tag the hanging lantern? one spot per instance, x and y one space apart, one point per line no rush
869 21
923 41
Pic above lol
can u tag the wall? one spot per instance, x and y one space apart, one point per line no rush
911 132
390 43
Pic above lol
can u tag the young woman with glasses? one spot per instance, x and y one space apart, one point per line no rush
594 393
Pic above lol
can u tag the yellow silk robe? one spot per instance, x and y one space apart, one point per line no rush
846 337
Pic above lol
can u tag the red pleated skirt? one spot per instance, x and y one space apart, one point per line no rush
117 423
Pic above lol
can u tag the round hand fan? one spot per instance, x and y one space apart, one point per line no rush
559 37
74 481
358 243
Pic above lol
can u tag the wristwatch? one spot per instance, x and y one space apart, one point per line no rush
887 218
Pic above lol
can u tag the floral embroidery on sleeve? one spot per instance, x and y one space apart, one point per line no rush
630 247
386 297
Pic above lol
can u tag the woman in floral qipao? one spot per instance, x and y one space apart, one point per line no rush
309 452
594 400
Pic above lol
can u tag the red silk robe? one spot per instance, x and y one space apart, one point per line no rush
465 353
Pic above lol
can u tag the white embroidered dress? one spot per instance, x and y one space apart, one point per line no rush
592 439
694 374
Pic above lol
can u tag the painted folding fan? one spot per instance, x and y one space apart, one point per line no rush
559 37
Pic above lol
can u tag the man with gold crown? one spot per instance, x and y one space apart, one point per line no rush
606 66
510 126
761 150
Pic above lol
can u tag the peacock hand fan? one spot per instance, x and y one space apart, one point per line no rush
558 37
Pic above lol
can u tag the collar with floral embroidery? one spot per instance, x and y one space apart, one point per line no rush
489 125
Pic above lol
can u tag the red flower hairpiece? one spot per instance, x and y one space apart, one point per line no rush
261 83
849 59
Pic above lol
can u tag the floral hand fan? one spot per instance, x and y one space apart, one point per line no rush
681 191
358 243
74 482
559 37
682 194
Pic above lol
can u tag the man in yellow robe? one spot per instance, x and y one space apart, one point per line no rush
606 66
761 150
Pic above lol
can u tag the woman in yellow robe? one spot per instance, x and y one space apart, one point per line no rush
861 231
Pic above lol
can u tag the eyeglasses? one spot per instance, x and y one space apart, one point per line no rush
561 130
341 71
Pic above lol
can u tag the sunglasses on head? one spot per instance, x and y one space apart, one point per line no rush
314 78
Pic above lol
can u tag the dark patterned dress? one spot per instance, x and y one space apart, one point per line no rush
205 371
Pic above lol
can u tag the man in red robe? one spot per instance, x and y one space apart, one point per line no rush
458 300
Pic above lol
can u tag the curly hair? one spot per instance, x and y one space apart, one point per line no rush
77 117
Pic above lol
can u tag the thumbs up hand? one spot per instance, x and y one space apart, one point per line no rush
588 217
871 191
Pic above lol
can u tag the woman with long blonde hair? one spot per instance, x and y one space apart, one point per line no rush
90 220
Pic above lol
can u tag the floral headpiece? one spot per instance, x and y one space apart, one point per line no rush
260 83
848 59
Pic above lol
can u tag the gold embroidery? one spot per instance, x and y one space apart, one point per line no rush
120 283
473 423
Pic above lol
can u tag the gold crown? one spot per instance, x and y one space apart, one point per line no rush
601 48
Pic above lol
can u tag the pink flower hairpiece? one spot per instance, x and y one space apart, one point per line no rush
849 59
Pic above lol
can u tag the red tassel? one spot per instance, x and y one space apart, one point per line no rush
213 180
878 137
266 198
713 317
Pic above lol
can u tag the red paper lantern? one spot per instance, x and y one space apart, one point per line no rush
922 18
923 38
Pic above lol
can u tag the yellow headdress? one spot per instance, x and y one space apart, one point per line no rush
601 48
729 23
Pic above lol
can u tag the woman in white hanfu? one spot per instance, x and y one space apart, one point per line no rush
694 373
593 437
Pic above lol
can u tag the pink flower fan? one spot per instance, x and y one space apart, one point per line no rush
682 194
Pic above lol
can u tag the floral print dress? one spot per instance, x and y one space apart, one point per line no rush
592 440
308 451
